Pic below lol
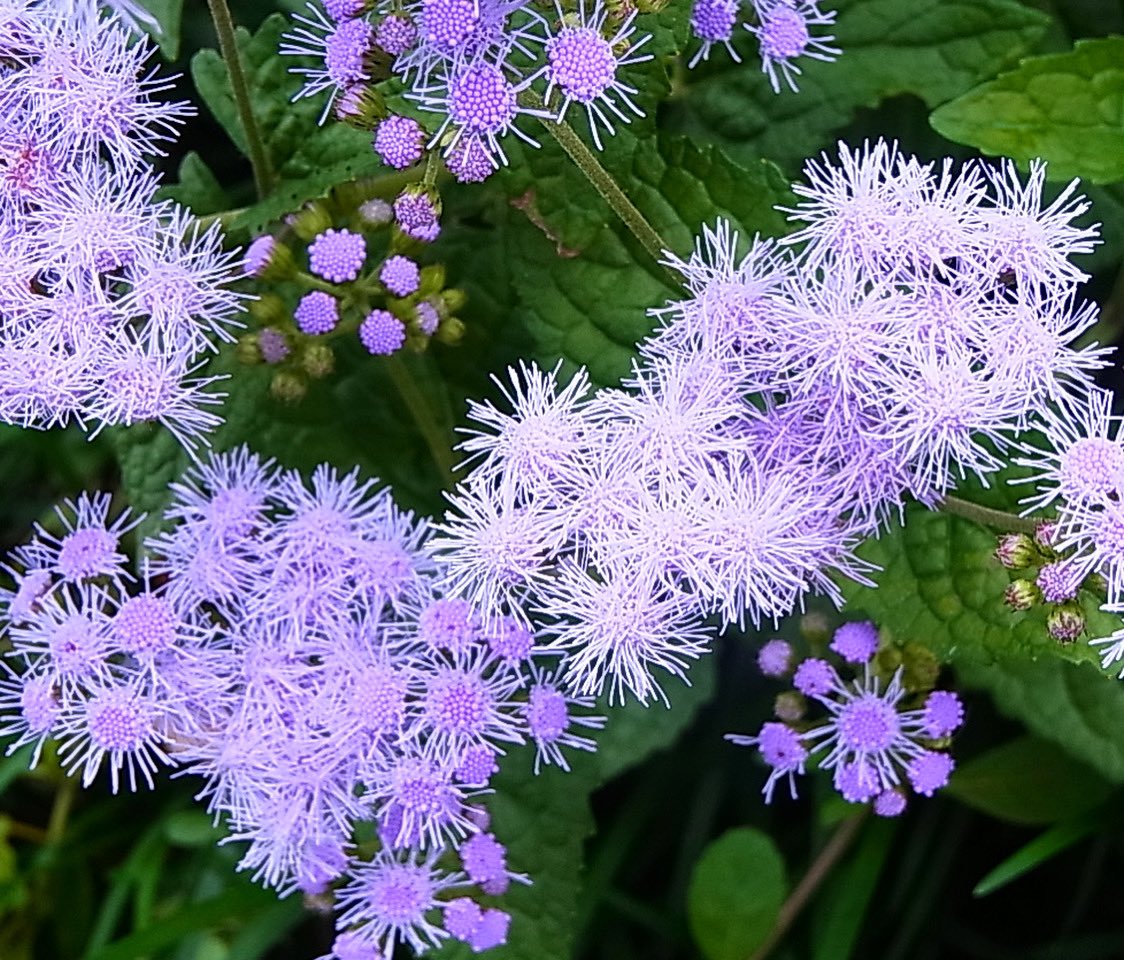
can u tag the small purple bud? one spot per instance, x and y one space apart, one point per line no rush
929 771
400 275
399 141
382 333
1015 551
1066 623
1022 595
943 713
774 659
856 642
814 677
1058 582
337 255
317 313
889 803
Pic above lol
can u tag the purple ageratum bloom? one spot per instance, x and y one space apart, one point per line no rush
469 160
30 710
1081 462
942 714
814 677
491 931
774 659
317 313
582 65
782 749
342 51
399 141
337 255
856 642
550 721
259 255
617 629
88 546
273 345
929 771
1057 582
382 333
400 275
449 624
462 918
118 724
389 898
867 733
713 22
341 10
448 23
396 33
539 441
462 703
417 215
784 35
427 317
477 765
480 103
890 803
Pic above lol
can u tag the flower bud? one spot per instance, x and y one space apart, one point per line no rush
1066 623
790 706
310 221
376 212
269 309
267 258
288 387
318 360
246 350
815 628
1022 595
1015 551
1046 533
450 332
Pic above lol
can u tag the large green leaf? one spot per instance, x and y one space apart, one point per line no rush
934 49
1028 780
941 585
168 14
1067 108
736 894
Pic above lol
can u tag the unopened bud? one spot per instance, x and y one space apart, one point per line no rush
247 350
790 706
318 360
287 386
1022 595
269 309
452 300
450 332
267 258
1015 551
1046 533
1066 623
376 212
815 628
310 221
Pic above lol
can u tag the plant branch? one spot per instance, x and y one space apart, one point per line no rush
259 159
986 516
60 811
610 191
816 873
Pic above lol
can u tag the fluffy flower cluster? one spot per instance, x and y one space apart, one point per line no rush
871 742
783 29
108 298
469 61
287 644
891 346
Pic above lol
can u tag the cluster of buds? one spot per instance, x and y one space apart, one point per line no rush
353 272
1046 577
886 731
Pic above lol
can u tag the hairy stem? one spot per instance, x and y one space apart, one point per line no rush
999 519
436 437
585 160
816 873
259 159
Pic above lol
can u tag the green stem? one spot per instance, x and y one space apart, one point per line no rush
986 516
259 159
60 811
585 160
843 837
436 438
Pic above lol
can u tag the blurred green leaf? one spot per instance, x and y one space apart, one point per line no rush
1075 706
1067 108
736 894
935 49
169 16
1028 780
842 906
1047 844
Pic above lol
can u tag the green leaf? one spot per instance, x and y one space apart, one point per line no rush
1074 706
198 188
1067 108
168 14
1048 844
941 585
934 49
1028 780
735 894
307 158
